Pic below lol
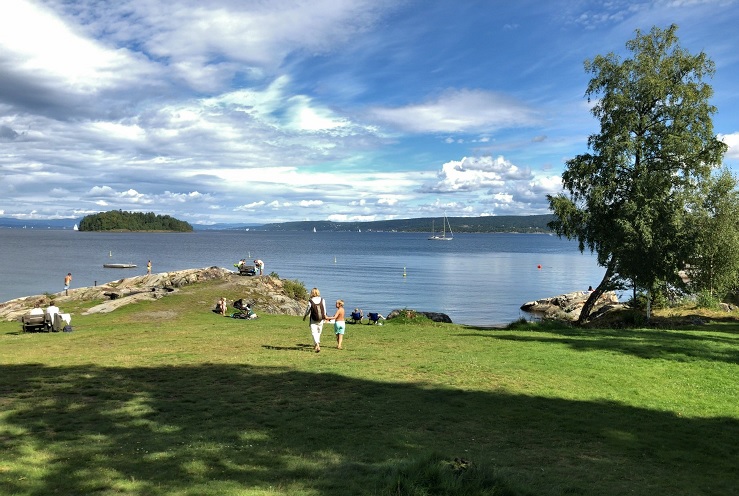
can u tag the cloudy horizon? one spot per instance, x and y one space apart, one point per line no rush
340 110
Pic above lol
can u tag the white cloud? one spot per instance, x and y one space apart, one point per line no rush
474 173
459 111
35 42
249 206
732 141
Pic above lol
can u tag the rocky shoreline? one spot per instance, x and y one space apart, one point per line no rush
569 305
267 292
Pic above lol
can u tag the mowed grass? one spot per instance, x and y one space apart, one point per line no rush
168 398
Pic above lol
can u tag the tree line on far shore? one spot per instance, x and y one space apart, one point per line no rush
118 220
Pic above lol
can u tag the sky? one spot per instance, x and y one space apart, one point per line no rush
253 111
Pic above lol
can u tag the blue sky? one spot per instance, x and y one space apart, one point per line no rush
252 111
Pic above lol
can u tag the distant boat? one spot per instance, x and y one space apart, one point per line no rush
119 266
75 228
314 229
443 236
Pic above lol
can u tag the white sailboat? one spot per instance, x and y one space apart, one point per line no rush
75 228
444 236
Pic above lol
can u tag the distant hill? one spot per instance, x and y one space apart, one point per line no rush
8 222
502 223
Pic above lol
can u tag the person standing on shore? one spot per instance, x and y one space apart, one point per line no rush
317 311
67 283
339 323
148 267
259 265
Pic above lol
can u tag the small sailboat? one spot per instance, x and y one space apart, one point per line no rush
443 236
314 229
76 228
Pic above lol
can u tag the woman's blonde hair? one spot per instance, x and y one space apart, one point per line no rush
340 302
314 292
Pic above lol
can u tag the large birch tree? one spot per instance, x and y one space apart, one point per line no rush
628 199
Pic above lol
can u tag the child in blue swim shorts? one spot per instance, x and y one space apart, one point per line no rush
339 323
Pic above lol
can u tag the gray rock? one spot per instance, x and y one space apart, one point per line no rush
569 305
264 292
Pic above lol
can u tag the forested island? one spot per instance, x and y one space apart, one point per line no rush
118 220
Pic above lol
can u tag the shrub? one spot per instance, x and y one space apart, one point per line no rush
704 299
295 289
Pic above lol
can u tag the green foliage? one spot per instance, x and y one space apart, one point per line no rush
434 475
538 325
408 316
295 289
704 299
629 200
118 220
634 318
714 265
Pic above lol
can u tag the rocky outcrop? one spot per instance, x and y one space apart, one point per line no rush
435 316
265 293
569 305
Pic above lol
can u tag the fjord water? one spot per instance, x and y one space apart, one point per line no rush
477 279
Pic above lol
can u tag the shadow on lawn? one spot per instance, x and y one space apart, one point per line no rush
162 430
677 345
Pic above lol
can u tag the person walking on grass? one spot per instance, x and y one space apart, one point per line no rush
317 311
339 323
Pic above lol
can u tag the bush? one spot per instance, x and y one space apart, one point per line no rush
295 289
408 316
631 319
659 300
704 299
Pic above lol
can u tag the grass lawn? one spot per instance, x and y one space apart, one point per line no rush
168 398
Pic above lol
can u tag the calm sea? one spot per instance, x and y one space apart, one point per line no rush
477 279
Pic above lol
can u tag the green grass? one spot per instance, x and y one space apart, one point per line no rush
166 397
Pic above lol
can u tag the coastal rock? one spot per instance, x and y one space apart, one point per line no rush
569 305
265 293
435 316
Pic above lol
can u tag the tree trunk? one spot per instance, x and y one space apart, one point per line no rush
597 293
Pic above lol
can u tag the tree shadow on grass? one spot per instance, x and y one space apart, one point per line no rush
225 429
677 345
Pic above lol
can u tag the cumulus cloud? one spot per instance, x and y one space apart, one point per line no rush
459 111
473 173
57 66
495 182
